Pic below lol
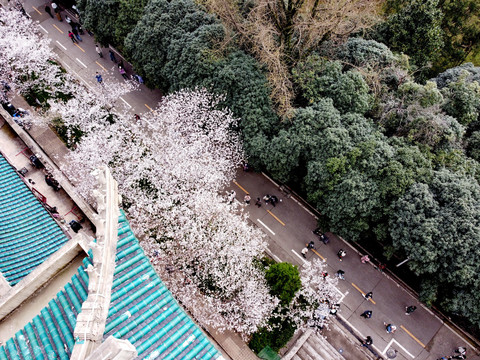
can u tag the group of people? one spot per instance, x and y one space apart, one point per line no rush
49 179
270 199
460 353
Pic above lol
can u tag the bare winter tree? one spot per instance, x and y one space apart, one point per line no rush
282 32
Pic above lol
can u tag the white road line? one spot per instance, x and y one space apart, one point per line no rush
276 258
342 295
356 330
300 257
130 106
41 27
266 227
64 48
85 66
398 344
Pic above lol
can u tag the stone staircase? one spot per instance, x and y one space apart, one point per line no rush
312 346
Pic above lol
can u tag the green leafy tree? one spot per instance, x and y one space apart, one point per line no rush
461 30
101 18
167 26
319 78
415 29
462 100
437 226
284 281
129 12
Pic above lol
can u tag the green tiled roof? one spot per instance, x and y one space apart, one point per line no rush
28 235
142 310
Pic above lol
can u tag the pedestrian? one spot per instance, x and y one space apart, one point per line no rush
266 198
72 37
367 314
334 309
341 254
75 32
122 72
258 203
68 20
48 11
461 350
390 328
56 10
273 200
304 252
98 77
324 239
247 199
138 78
364 259
324 274
112 56
231 196
410 309
317 231
368 295
340 274
137 117
368 341
311 245
99 51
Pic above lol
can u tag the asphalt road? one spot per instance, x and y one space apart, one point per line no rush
288 225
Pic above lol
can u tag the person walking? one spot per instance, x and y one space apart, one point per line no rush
390 328
304 252
48 11
75 32
112 56
258 203
368 295
231 196
72 37
98 77
367 314
340 274
99 51
122 72
137 117
56 10
341 254
247 199
410 309
364 259
311 245
368 341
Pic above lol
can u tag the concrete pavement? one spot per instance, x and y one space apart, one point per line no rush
289 225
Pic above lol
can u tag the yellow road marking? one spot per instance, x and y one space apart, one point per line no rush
96 62
356 287
413 337
148 107
56 27
245 191
276 218
78 47
316 252
37 10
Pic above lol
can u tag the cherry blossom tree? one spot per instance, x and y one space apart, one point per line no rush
26 60
171 167
313 302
